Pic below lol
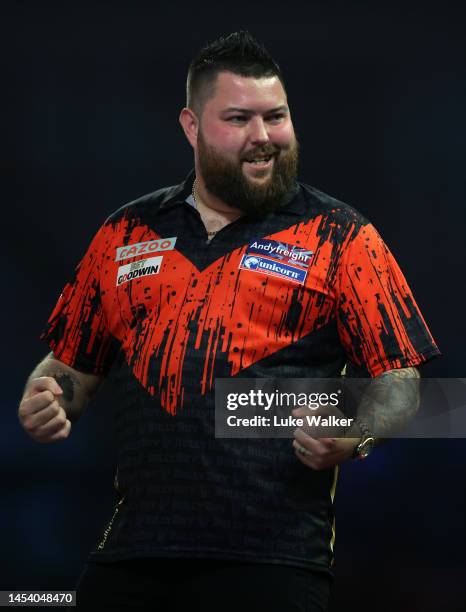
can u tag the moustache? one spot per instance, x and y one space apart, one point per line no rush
261 152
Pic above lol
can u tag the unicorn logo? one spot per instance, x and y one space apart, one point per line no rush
251 263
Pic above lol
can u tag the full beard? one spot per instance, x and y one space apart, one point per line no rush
224 178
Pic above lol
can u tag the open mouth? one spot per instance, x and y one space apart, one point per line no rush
260 162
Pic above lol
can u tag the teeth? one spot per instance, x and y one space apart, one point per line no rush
260 160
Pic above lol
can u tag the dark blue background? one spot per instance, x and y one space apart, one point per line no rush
91 97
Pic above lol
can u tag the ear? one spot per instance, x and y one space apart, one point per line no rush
190 124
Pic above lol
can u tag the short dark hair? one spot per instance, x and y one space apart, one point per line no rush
239 53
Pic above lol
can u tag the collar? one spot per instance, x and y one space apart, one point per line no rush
293 202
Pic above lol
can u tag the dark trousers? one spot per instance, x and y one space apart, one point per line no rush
191 585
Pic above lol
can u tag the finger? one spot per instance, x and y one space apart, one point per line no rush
301 412
42 417
44 383
328 443
322 447
61 434
312 428
311 444
304 456
301 450
35 403
52 427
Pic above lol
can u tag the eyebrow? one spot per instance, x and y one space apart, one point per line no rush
247 111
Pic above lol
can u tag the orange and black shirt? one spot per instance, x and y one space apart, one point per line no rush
298 294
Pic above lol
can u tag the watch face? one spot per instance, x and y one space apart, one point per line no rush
364 452
366 447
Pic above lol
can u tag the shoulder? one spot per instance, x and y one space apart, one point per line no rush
317 202
142 206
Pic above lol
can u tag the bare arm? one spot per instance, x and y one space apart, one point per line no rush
55 396
388 404
390 401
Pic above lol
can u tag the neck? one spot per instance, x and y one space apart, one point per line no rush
210 203
214 219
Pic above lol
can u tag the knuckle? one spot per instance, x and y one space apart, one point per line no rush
37 384
28 424
49 397
63 430
32 386
62 434
25 404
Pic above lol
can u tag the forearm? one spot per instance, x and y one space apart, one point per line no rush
390 402
76 386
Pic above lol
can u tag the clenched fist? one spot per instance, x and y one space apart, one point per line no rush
40 414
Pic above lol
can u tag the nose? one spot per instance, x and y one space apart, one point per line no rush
258 131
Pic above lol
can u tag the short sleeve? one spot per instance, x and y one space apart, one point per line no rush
77 330
379 322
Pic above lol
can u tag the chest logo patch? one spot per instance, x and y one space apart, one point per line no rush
137 269
143 248
277 259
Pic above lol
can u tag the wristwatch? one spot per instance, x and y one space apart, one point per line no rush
366 444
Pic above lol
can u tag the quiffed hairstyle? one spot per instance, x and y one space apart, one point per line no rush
239 53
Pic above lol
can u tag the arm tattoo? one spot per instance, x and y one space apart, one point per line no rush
77 387
67 384
73 392
390 401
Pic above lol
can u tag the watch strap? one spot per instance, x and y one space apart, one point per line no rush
365 435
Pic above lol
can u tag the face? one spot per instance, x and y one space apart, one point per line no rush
246 150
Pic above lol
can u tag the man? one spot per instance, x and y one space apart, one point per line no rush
181 287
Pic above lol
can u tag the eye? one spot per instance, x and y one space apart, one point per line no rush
237 119
277 118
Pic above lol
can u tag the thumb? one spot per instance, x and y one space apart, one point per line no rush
56 389
45 383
